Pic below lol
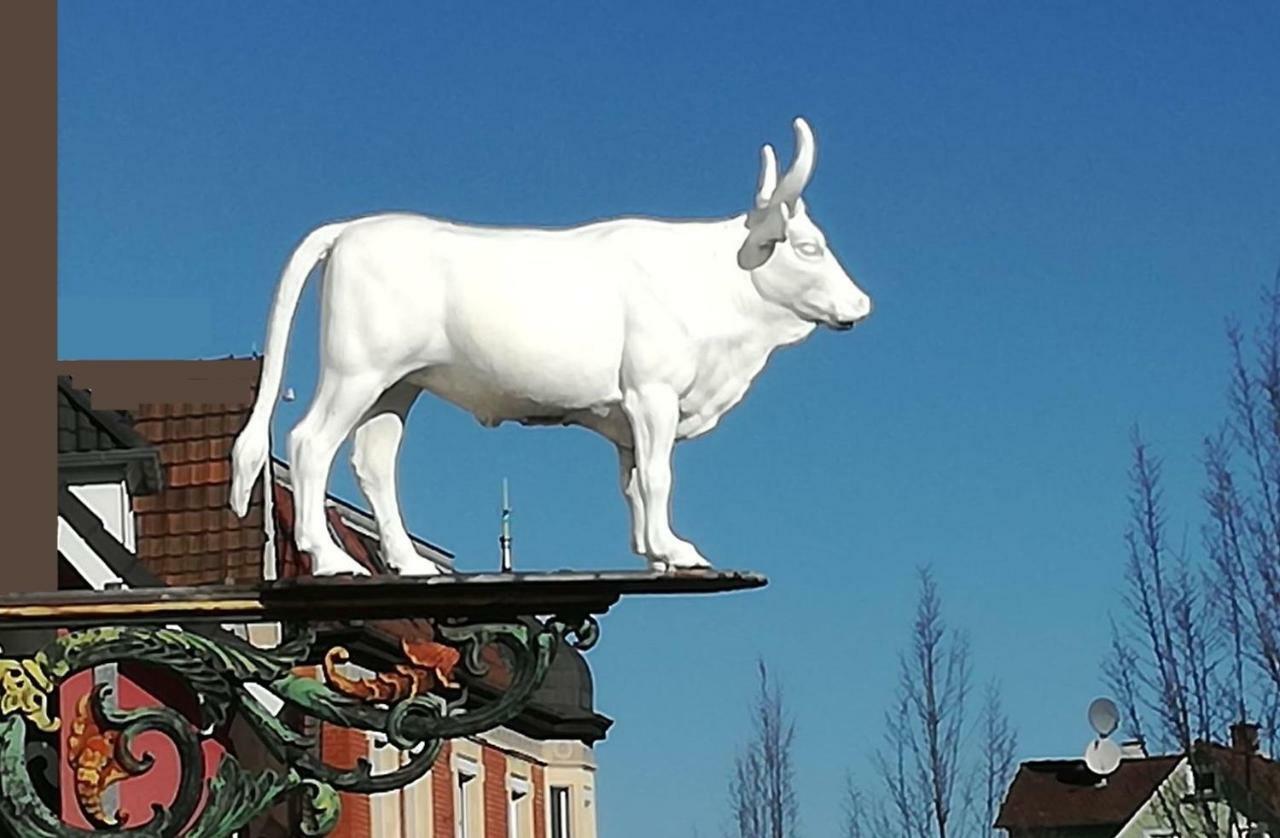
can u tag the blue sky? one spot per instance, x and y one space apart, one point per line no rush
1053 205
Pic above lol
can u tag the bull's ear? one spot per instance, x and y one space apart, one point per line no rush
752 255
765 231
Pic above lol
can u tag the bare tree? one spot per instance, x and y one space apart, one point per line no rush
1242 538
857 818
935 680
1163 664
864 815
762 794
995 763
937 779
905 808
920 766
1166 644
1199 645
746 795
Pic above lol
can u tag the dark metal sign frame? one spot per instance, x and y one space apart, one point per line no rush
523 617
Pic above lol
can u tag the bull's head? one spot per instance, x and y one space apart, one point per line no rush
787 254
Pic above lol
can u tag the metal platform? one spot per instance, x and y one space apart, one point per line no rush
346 598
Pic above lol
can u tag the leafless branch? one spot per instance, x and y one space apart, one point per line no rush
762 795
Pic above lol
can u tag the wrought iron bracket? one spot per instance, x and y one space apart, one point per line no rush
477 621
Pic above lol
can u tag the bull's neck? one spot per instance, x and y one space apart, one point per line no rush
736 329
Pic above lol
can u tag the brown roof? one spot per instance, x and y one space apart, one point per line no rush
191 411
1058 793
1253 780
123 385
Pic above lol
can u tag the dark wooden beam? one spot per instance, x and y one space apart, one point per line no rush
484 596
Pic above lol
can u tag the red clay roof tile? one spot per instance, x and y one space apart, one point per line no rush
198 449
218 471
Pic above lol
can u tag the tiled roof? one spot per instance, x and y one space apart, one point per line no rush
93 444
1060 793
191 411
81 428
187 534
1254 779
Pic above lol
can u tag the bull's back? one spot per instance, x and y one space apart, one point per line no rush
504 321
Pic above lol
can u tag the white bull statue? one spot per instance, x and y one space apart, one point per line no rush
646 331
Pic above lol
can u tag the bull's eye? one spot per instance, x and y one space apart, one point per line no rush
810 250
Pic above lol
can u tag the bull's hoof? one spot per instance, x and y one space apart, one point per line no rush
414 565
336 563
677 570
683 557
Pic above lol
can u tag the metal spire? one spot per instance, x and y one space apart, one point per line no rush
504 540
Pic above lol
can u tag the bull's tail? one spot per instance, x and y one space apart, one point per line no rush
249 454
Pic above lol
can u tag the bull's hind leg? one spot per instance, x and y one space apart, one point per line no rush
341 400
373 455
630 482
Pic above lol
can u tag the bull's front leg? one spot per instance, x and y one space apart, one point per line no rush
653 413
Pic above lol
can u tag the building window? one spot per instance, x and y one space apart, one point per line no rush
464 808
1205 782
560 812
519 824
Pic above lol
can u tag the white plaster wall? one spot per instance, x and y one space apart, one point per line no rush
581 784
403 813
111 503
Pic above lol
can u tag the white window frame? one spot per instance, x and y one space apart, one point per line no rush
519 798
466 773
560 799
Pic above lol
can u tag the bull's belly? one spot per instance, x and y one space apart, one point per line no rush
529 396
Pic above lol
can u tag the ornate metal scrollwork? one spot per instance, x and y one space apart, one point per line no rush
24 689
416 706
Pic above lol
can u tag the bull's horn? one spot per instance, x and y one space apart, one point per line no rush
768 176
797 177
